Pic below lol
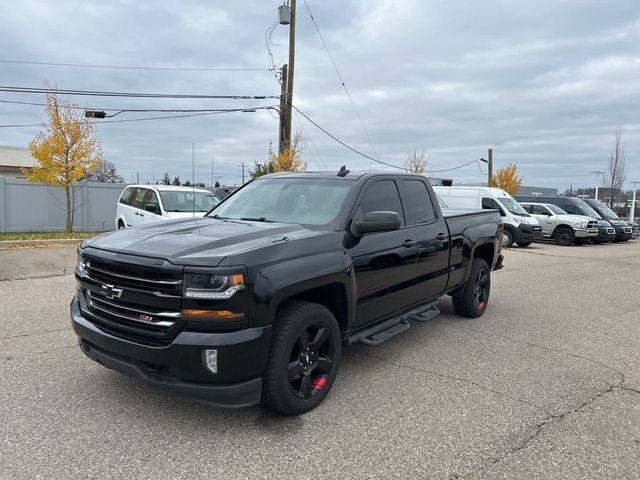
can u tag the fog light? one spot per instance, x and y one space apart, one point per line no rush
211 360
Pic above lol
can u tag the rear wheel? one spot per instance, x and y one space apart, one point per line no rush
564 236
471 300
120 225
304 358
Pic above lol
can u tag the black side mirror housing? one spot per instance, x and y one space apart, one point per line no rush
376 222
152 208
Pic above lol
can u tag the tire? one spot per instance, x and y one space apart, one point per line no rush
564 236
524 244
471 300
304 358
121 225
507 238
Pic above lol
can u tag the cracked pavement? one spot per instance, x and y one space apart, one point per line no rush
545 385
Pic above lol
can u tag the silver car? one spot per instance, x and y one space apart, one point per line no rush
565 229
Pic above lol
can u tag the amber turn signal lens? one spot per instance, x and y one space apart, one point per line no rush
237 279
211 314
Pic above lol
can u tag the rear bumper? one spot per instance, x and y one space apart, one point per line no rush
180 366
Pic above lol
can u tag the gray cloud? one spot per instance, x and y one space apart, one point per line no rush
545 83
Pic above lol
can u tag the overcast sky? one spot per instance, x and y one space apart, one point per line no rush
544 82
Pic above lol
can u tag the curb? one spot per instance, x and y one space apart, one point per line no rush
9 244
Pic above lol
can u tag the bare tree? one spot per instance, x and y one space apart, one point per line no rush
416 162
106 173
617 170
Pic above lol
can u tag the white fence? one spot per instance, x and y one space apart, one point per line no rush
38 207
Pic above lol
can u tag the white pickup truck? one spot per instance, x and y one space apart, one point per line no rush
564 228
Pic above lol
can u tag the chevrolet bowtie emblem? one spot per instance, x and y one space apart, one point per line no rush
111 292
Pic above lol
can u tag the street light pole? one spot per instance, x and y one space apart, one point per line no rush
633 202
598 173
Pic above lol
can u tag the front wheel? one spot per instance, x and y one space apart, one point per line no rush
471 300
564 237
304 358
507 238
524 244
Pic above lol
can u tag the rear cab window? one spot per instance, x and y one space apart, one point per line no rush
418 203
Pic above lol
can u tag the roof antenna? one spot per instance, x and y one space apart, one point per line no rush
343 171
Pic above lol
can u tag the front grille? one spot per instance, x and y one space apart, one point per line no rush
140 302
135 277
611 231
627 229
593 224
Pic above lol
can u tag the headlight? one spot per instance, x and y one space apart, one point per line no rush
580 225
81 266
216 287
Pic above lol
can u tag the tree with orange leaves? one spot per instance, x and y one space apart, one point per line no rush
507 179
290 160
67 151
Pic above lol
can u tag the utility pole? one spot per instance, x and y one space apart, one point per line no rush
490 166
137 178
632 216
242 173
285 134
292 56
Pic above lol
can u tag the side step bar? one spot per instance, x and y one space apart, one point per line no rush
382 332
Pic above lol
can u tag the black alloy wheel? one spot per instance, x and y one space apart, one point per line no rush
304 357
472 298
564 237
311 361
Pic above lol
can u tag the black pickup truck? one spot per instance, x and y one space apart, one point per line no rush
253 302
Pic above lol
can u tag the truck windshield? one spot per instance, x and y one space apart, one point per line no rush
555 209
586 209
179 201
286 200
608 212
513 206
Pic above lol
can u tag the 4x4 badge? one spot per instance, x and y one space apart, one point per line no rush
111 292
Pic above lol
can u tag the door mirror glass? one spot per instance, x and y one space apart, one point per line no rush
376 222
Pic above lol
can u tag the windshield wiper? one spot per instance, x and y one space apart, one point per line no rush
218 217
256 219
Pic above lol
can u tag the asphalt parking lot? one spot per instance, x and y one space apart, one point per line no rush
545 385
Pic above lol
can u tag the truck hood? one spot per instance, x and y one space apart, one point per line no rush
188 242
576 218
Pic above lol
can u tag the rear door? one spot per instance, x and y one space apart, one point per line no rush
136 208
545 217
429 228
385 263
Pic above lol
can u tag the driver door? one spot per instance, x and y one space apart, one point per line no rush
385 263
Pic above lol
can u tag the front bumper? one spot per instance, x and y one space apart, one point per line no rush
605 234
585 232
179 366
526 233
623 233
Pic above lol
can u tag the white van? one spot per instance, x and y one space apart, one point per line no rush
142 204
519 226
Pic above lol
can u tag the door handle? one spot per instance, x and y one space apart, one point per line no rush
136 213
141 214
442 236
409 243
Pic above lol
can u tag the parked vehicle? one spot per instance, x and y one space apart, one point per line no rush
142 204
253 302
635 229
565 229
624 231
224 190
576 206
519 226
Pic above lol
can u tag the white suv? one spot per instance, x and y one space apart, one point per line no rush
142 204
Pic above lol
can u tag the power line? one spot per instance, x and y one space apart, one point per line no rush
129 67
367 156
346 145
97 93
167 117
335 67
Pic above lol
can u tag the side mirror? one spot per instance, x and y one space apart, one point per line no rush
376 222
152 208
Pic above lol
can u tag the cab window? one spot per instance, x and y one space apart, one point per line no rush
152 200
138 198
381 195
126 196
418 203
